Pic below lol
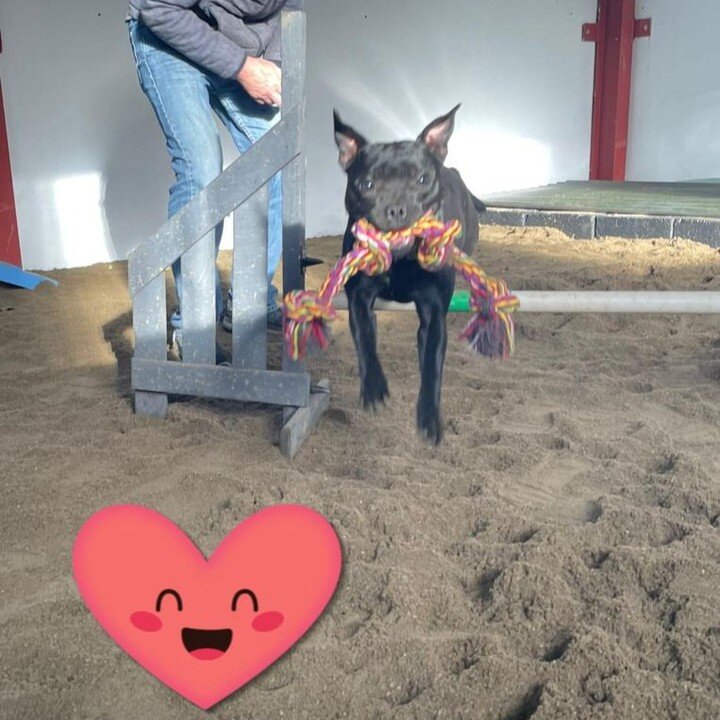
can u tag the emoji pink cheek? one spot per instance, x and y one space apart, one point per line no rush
268 621
145 621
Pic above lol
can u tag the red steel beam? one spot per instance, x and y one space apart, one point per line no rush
614 33
9 238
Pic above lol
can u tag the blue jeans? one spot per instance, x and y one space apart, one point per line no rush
184 97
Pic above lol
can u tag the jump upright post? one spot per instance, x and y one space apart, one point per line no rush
189 235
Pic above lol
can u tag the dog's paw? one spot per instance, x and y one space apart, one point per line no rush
374 392
429 426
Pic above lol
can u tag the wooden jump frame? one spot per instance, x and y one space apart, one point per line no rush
189 235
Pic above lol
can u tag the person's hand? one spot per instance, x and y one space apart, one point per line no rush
261 80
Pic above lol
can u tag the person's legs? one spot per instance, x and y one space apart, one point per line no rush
179 92
247 122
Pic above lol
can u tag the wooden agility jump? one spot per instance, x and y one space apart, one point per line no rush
189 235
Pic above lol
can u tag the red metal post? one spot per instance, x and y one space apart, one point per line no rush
614 33
9 238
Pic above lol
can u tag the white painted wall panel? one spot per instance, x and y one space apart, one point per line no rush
88 161
90 168
674 129
519 68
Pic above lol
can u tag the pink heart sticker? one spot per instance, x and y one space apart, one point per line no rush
205 627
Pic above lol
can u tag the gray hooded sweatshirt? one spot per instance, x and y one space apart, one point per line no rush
218 35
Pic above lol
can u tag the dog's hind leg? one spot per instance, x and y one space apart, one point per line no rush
361 292
432 305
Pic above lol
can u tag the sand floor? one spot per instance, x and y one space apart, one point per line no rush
558 556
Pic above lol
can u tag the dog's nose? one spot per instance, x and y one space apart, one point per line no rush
396 213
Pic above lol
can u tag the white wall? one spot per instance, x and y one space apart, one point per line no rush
89 163
675 95
518 66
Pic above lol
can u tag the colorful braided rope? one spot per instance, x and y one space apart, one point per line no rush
490 332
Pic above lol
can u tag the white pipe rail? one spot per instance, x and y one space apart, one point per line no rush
603 301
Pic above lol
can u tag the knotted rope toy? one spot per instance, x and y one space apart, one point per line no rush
490 332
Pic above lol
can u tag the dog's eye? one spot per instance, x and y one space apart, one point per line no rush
366 184
424 179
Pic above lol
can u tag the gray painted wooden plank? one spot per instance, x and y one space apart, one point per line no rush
150 320
293 42
294 34
151 404
298 427
198 304
272 152
294 225
293 239
249 309
150 326
216 381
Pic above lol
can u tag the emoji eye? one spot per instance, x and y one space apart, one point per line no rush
242 592
424 179
158 603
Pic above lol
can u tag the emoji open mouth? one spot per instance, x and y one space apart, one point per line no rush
206 644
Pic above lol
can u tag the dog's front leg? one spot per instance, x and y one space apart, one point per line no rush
361 292
432 344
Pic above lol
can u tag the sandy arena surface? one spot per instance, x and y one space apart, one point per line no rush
558 556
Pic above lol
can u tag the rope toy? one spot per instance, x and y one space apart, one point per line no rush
490 332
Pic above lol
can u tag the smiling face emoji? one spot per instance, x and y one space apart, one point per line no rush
206 643
206 627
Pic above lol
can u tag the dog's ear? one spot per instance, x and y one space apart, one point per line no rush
348 141
437 134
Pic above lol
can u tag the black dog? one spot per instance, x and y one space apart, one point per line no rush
393 185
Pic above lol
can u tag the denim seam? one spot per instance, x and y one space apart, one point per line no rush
138 60
239 122
166 115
